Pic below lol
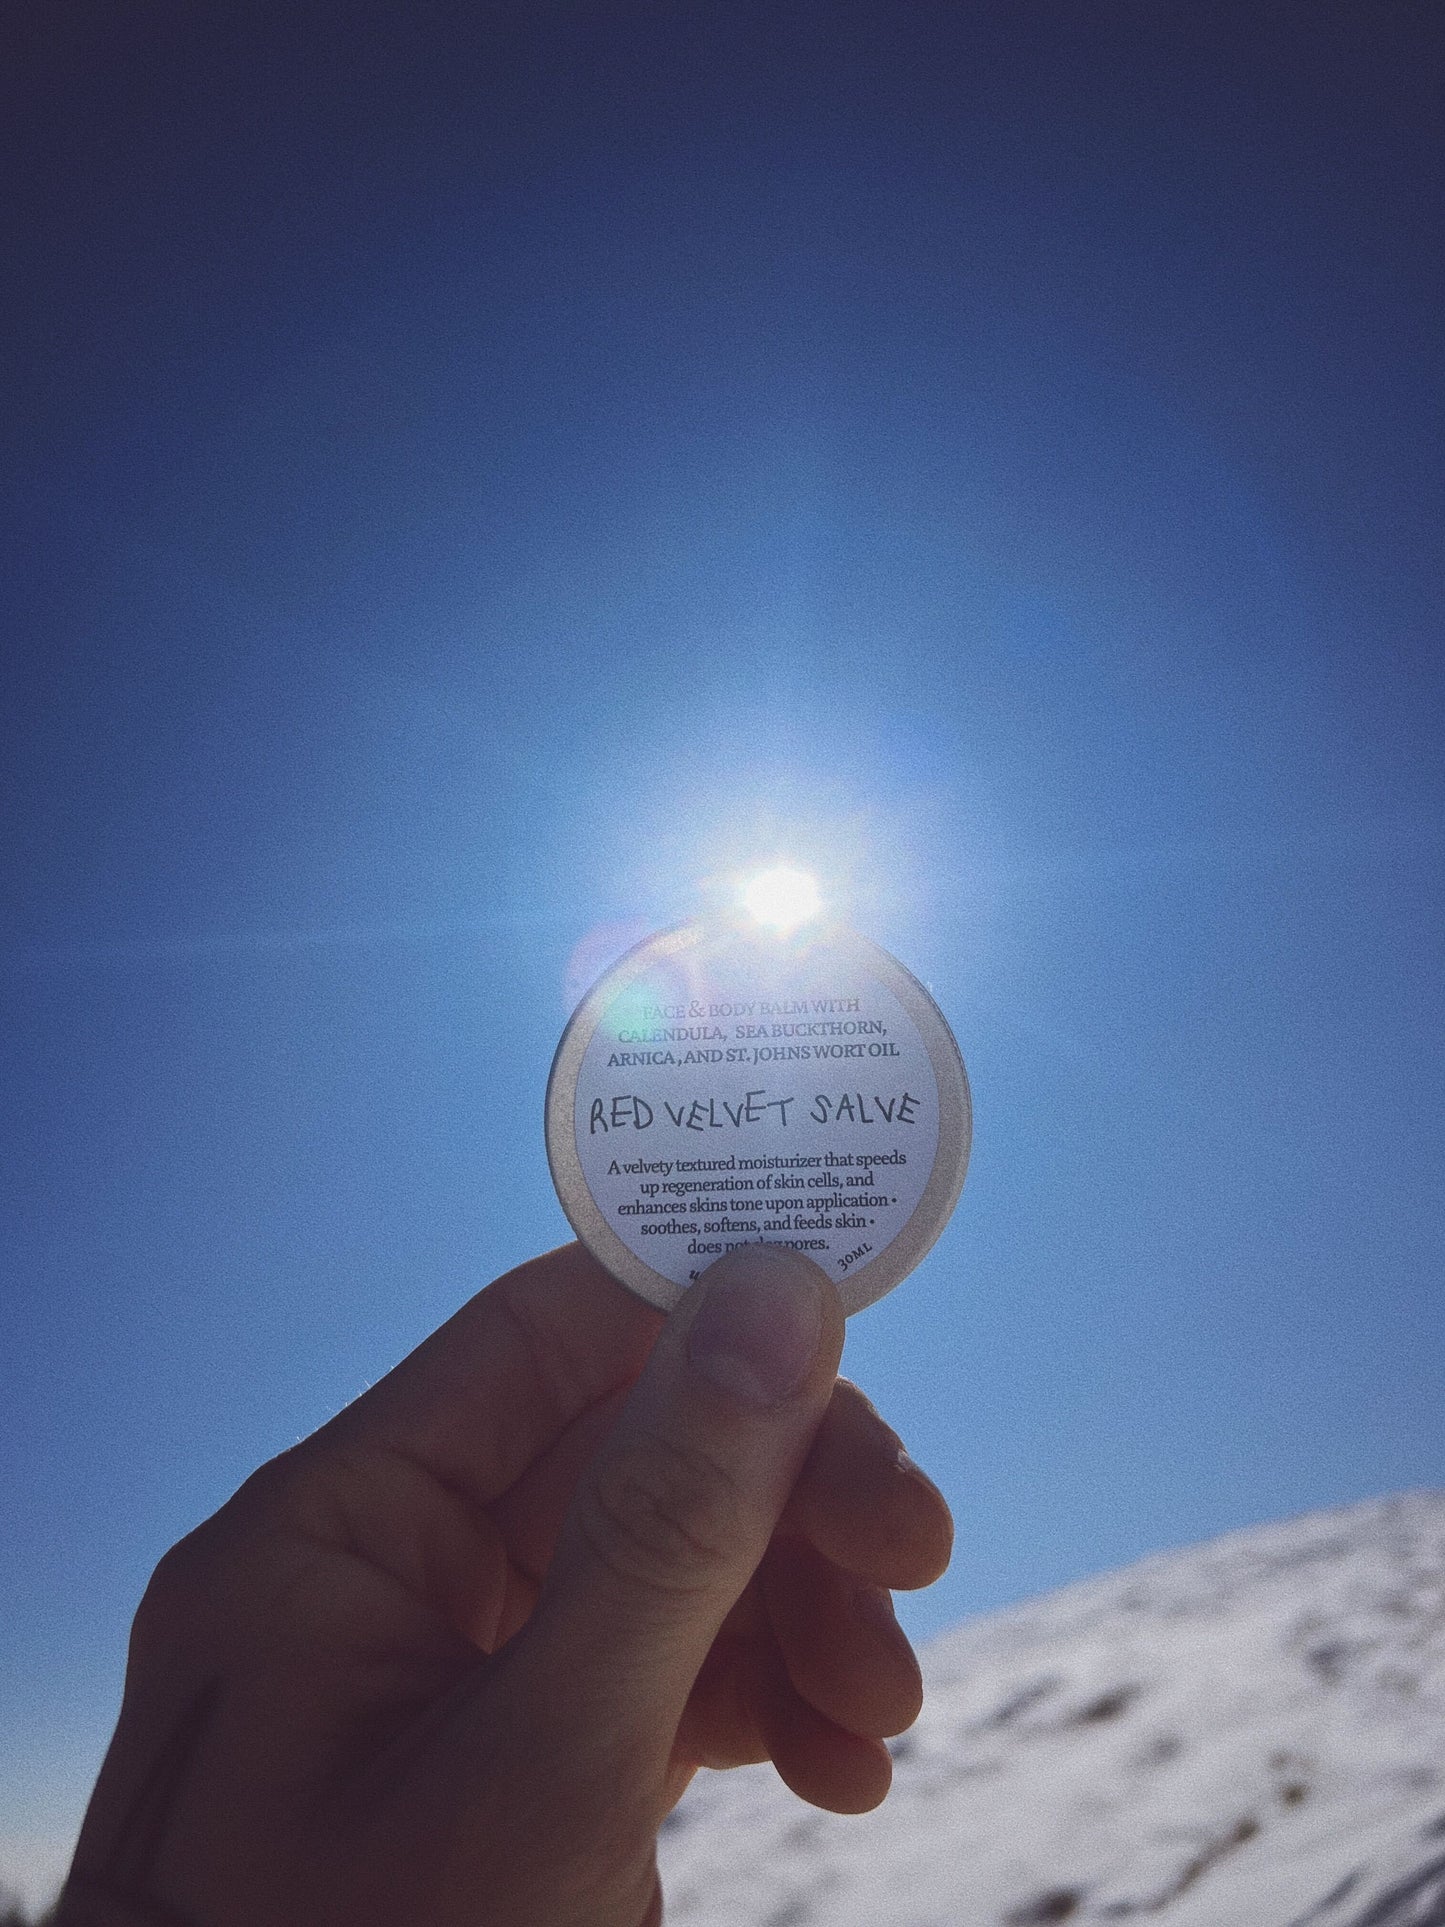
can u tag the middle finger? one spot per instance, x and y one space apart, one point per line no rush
863 1502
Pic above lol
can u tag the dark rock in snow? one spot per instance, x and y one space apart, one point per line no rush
1249 1733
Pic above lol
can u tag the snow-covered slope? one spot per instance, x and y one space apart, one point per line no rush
1250 1733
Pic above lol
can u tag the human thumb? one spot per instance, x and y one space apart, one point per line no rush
673 1516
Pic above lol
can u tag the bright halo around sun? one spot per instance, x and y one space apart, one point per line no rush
782 898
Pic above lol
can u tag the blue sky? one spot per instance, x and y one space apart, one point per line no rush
474 478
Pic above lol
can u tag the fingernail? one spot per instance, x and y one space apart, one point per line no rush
757 1329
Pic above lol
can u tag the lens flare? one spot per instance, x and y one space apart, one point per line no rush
782 898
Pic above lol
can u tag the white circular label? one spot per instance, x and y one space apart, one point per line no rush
720 1088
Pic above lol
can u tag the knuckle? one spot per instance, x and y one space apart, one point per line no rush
273 1487
168 1584
664 1516
200 1571
169 1600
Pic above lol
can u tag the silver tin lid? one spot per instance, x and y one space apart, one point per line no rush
724 1084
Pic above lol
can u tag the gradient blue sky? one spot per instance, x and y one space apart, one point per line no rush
474 474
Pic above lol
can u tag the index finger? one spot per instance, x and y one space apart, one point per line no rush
496 1386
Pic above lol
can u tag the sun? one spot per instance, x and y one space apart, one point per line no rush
782 898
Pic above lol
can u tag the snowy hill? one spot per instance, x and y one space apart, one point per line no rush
1249 1733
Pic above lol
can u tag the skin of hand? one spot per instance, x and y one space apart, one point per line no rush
451 1661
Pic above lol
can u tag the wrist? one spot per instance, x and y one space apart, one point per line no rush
82 1905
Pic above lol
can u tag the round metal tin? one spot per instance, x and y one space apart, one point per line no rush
722 1085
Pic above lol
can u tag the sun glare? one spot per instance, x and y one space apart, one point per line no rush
782 898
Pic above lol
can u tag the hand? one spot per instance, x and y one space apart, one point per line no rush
452 1660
